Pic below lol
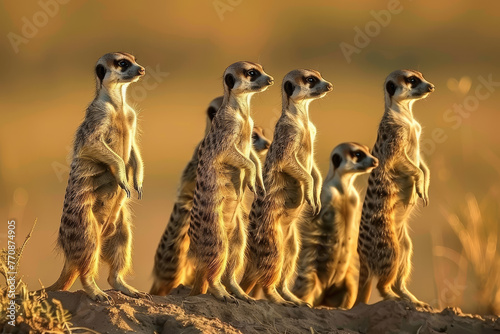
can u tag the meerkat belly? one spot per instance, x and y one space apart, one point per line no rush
342 261
119 139
404 182
292 194
327 241
230 180
107 195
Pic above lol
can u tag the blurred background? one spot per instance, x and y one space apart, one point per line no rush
50 48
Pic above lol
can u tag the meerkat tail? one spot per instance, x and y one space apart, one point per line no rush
66 279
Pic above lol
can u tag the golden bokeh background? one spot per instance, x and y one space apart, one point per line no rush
49 49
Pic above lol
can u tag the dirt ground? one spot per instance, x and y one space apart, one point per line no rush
180 313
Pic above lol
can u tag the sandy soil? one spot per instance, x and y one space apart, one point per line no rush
180 313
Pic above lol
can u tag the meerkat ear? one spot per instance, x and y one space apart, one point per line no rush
100 71
211 111
288 86
336 160
390 87
229 80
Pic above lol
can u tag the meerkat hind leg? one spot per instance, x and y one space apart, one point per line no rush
384 285
404 270
220 293
68 276
289 266
364 286
93 291
273 295
117 253
87 275
236 258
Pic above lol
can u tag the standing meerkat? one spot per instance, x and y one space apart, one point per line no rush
326 266
290 177
226 166
173 263
96 221
384 245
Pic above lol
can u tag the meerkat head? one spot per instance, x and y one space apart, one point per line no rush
352 158
213 107
305 85
245 77
406 85
117 68
260 143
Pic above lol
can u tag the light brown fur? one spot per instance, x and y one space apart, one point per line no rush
384 245
96 221
290 177
327 266
226 166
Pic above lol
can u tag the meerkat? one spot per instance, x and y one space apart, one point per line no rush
260 142
326 267
291 178
384 245
226 166
173 263
96 222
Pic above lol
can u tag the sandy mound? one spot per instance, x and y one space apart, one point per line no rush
180 313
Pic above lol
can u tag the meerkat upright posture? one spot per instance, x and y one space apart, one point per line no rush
326 267
384 245
290 177
226 166
96 221
173 264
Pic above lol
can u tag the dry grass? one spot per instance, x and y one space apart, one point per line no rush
34 311
478 236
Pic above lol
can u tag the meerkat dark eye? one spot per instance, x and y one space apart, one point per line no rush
255 137
252 73
413 80
359 155
311 79
123 63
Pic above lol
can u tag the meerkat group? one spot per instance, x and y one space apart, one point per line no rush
237 225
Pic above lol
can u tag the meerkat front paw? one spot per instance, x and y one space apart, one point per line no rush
138 188
317 202
421 191
309 198
124 185
250 182
262 188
